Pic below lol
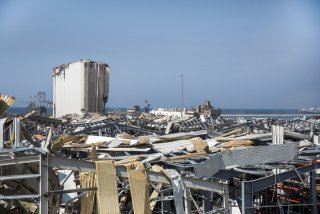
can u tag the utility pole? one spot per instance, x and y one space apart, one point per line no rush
181 94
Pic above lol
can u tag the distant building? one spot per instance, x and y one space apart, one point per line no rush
208 110
205 109
80 86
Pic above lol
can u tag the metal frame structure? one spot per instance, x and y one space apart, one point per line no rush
249 188
45 162
207 177
180 184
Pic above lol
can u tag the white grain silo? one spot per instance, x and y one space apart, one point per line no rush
78 86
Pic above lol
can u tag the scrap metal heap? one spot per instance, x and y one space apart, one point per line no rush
143 163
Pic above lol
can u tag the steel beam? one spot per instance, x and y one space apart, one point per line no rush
249 188
165 204
178 189
16 133
225 195
18 197
247 198
113 125
313 192
207 201
43 185
72 190
18 177
265 182
2 122
31 159
192 183
295 135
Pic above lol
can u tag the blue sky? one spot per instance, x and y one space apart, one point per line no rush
238 54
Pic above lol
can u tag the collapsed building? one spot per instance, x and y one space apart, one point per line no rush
144 163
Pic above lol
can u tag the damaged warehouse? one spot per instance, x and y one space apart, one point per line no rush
146 163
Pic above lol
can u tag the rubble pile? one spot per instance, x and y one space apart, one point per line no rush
146 163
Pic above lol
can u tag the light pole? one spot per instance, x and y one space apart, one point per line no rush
181 94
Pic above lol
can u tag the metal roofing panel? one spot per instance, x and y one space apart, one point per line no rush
277 153
172 146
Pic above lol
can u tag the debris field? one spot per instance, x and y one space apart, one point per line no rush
142 162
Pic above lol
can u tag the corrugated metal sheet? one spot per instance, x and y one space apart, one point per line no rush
80 85
277 153
172 146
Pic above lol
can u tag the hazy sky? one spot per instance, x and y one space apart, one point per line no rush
237 54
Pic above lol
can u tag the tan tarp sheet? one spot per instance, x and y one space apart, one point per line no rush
88 179
237 143
139 187
107 193
200 145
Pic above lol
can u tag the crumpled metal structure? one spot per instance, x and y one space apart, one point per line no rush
145 163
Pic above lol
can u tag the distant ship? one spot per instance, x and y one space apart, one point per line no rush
311 110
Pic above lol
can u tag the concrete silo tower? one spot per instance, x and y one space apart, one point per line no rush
78 86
